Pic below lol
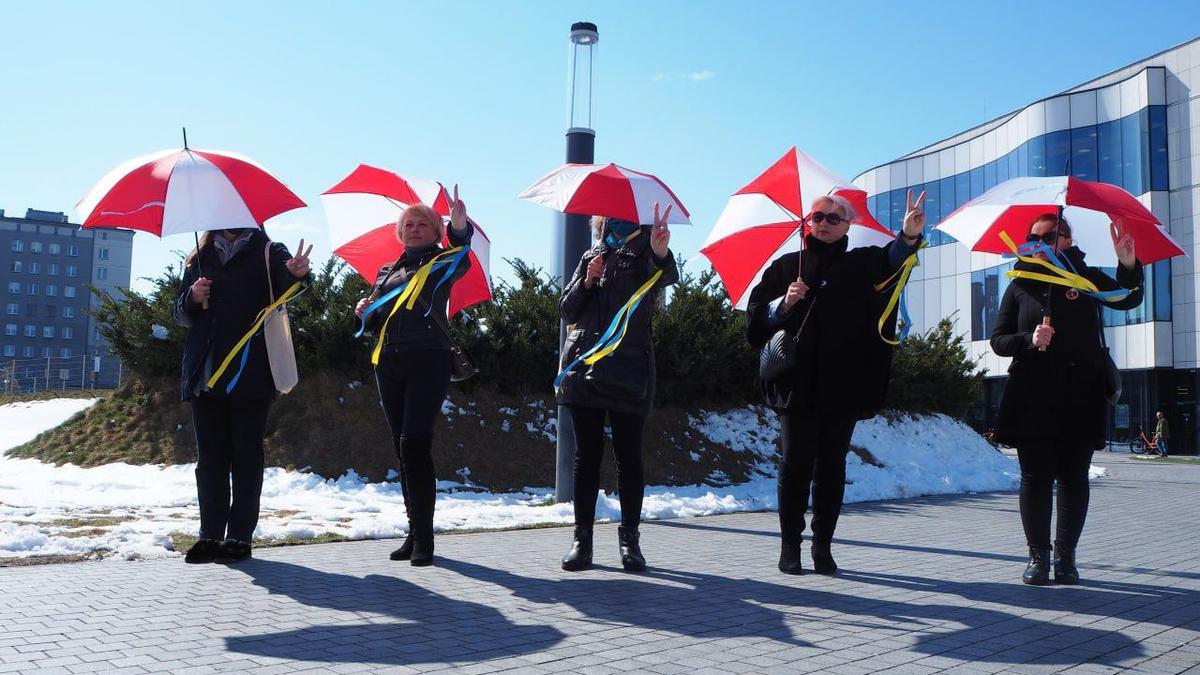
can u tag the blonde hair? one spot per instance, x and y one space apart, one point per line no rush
430 215
843 204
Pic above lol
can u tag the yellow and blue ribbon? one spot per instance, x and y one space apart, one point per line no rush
900 279
243 345
1061 272
614 334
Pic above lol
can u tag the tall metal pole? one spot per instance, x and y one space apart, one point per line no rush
575 234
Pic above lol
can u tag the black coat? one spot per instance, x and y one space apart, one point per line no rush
238 293
842 364
1058 393
412 330
623 381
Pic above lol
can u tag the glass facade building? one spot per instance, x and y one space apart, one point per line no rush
1137 127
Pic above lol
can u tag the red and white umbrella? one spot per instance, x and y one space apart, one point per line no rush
186 190
761 221
362 211
605 190
1090 207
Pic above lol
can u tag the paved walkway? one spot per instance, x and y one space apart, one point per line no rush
928 585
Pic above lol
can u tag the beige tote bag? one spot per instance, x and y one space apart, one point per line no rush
277 333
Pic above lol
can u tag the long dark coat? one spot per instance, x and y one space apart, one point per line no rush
1058 393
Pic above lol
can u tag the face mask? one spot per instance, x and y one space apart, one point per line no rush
619 231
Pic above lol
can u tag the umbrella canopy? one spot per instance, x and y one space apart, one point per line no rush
1089 206
174 191
362 211
606 190
761 221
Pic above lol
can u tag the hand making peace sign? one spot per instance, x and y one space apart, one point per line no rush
458 212
298 264
660 234
914 215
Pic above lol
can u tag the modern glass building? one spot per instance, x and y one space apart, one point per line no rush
46 267
1137 127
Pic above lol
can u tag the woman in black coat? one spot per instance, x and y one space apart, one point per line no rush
234 272
414 366
1053 409
842 363
620 385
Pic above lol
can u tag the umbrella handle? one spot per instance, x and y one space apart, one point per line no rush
1045 322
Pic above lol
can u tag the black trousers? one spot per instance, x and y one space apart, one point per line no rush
814 451
589 451
1042 465
229 443
412 386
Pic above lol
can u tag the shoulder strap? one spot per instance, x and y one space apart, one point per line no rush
267 259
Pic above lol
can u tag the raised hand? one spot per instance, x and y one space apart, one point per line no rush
660 234
298 264
914 215
458 212
595 270
1123 243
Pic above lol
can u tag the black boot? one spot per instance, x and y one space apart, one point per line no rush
1037 572
823 562
789 556
422 549
631 553
580 555
406 549
1065 572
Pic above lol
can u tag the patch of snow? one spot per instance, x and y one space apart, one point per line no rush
1095 472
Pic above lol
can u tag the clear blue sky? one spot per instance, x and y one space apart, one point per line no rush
474 92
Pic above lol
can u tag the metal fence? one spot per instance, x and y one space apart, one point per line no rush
60 374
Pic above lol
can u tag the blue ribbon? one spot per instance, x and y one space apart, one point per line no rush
448 274
374 306
1032 248
614 329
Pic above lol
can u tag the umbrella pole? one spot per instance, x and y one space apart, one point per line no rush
197 235
1050 287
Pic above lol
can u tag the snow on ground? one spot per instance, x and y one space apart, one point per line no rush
130 511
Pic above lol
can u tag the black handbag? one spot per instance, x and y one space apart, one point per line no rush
777 358
1112 376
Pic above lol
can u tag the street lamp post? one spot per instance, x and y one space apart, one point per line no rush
574 232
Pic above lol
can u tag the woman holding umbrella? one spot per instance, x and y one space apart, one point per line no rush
228 279
615 285
824 300
1053 408
413 355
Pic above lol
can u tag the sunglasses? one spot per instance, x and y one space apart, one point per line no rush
833 218
1047 238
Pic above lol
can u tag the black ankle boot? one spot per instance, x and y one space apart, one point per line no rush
580 555
406 549
1065 572
1037 572
823 562
789 557
422 549
631 553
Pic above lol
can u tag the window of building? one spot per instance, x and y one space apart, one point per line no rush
27 352
35 268
1084 141
10 329
1036 147
68 332
989 175
68 291
962 188
1131 155
17 246
72 271
47 331
1108 152
52 269
65 353
13 309
46 352
10 350
14 287
68 312
55 249
30 330
1003 166
987 289
975 181
102 253
32 289
51 291
35 247
102 273
1158 147
73 251
1058 152
946 192
15 266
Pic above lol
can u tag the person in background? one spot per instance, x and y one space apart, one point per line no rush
1161 434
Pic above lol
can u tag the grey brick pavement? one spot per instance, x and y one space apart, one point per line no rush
928 585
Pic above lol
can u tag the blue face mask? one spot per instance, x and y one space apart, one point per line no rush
619 231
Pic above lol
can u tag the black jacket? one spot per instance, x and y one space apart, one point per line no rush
623 381
412 330
842 365
238 293
1058 393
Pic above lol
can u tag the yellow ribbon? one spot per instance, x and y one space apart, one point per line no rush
258 322
624 313
408 297
1058 275
902 274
